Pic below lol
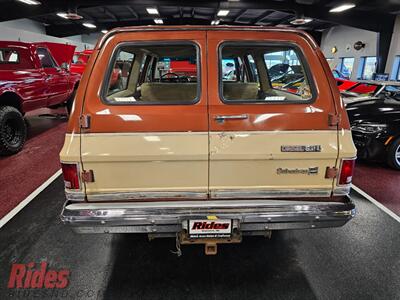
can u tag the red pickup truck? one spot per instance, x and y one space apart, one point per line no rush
32 76
80 60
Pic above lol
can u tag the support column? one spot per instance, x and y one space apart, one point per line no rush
382 51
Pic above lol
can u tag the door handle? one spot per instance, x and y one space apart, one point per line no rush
221 119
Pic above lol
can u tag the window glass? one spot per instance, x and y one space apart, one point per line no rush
262 73
229 69
46 60
346 67
369 67
398 70
120 72
395 73
8 56
154 74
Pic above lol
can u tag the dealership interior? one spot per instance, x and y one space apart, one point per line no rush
52 55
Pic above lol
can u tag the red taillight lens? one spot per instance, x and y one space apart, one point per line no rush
71 178
346 171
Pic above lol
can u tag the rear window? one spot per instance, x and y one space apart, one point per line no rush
9 56
264 73
153 73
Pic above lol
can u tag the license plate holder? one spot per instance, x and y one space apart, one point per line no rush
204 228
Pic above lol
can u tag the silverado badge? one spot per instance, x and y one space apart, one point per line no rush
301 148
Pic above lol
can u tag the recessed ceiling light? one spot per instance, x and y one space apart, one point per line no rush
104 31
301 21
30 2
342 7
215 22
223 13
152 10
158 21
89 25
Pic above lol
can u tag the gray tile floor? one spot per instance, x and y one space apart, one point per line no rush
358 261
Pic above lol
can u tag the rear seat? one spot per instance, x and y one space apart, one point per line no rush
240 90
165 91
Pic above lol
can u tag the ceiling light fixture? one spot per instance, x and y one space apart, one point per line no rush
152 10
215 22
30 2
69 15
223 13
301 21
62 15
104 31
158 21
342 7
89 25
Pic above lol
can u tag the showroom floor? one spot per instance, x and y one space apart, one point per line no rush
38 160
357 261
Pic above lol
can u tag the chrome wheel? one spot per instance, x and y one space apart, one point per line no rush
397 155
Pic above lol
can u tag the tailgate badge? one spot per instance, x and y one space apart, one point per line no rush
301 148
295 171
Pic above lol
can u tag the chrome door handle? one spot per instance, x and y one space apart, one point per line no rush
221 119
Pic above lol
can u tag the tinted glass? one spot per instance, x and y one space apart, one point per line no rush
46 60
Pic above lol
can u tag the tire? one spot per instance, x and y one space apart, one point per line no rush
393 158
70 102
12 130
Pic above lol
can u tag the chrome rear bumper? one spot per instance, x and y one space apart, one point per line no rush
251 216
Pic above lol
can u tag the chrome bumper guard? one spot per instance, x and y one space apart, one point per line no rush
251 216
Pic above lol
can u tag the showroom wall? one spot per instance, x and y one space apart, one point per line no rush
86 38
30 31
343 38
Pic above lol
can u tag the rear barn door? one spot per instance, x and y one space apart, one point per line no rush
269 105
148 137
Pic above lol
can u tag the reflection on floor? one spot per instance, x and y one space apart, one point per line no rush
380 182
22 173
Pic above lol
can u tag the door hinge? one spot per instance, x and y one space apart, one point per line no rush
84 121
333 119
331 172
88 176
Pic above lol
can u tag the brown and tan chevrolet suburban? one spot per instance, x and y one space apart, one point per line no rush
212 133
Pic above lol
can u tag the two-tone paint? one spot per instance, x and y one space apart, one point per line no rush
184 152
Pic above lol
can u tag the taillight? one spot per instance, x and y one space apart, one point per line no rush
71 177
346 171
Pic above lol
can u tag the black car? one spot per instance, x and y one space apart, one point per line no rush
375 125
